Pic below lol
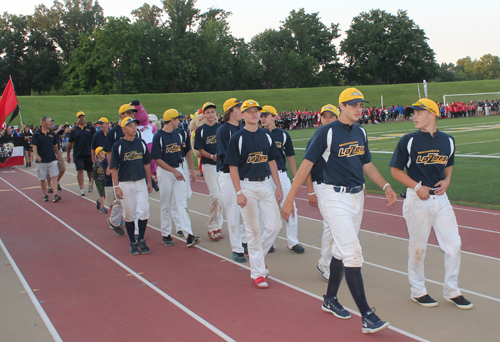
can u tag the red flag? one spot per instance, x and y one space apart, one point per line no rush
8 102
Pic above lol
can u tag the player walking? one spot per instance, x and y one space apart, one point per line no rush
285 147
251 156
166 151
205 141
428 156
342 147
129 167
237 235
329 113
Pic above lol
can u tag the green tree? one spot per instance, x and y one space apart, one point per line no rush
381 48
181 14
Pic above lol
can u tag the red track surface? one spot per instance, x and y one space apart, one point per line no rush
89 297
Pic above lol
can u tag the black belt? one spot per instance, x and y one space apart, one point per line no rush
261 179
346 189
318 182
175 166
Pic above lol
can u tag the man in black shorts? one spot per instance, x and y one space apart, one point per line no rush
80 139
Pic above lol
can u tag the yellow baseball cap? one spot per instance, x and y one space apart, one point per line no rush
330 108
102 120
171 114
80 113
126 107
97 150
266 110
230 103
424 104
249 104
351 96
207 105
128 120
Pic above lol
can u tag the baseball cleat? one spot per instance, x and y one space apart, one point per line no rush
260 283
297 249
324 271
213 236
461 302
371 323
333 306
425 301
192 240
118 230
168 241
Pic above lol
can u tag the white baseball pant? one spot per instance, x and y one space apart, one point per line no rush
343 212
326 238
236 230
261 204
135 203
215 218
175 210
292 224
169 185
420 216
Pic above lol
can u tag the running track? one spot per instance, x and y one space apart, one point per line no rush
92 289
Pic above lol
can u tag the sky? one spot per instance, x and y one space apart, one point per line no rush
455 30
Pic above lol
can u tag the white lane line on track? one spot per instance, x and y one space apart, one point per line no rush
403 332
125 267
43 315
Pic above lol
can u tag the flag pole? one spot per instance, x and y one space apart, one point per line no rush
14 93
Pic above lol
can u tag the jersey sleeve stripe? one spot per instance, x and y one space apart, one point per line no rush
329 139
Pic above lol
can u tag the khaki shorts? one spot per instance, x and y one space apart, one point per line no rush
110 196
45 170
61 164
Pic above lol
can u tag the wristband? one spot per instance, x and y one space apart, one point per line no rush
417 186
115 186
386 184
311 193
239 193
211 156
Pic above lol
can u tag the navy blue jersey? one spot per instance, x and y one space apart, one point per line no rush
206 139
424 156
115 134
344 150
98 140
82 140
45 143
186 142
223 134
108 180
317 169
129 157
284 145
167 147
251 152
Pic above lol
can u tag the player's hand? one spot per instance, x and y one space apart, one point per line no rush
38 159
68 158
423 193
214 157
279 195
108 171
193 176
119 193
313 201
178 175
390 195
442 185
287 209
242 200
150 187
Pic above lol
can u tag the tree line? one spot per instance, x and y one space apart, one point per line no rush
72 48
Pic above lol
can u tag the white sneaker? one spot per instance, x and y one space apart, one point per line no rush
324 271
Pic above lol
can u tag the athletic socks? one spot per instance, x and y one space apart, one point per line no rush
130 230
336 275
355 283
142 229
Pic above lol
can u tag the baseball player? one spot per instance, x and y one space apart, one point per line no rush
329 113
129 167
342 147
237 235
80 138
428 156
285 147
251 156
115 134
166 151
205 141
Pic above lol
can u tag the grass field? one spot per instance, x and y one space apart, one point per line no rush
476 177
64 108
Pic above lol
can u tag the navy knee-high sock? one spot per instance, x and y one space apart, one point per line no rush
336 275
355 283
130 230
142 228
